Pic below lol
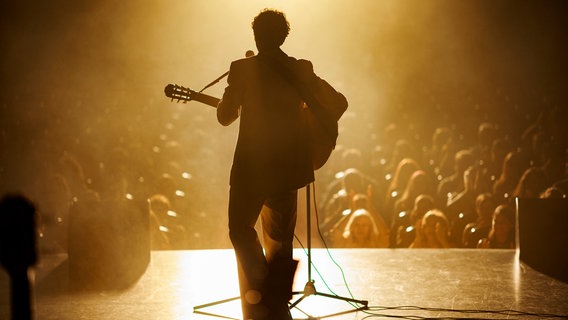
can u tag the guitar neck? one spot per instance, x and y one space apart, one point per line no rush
206 99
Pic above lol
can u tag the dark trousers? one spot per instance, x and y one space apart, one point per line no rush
265 277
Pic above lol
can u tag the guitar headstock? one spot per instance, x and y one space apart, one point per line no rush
179 93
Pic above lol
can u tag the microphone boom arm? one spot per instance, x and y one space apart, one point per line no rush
248 54
215 81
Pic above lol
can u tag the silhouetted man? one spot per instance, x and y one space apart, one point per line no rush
272 161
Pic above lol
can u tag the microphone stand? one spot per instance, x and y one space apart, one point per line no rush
309 288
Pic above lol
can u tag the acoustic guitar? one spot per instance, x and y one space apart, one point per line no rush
321 142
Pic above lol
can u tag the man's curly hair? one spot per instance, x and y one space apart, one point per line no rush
270 28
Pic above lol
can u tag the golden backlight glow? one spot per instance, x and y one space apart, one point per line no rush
82 98
215 275
98 82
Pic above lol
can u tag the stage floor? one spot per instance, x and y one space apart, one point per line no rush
403 283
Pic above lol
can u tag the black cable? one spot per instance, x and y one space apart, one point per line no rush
328 253
506 313
327 248
370 311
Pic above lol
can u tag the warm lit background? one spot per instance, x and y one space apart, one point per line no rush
83 77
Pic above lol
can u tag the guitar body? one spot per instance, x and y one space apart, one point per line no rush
321 144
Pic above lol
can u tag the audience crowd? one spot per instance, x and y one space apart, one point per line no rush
449 192
416 178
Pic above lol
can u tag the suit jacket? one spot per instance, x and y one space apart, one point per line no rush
272 152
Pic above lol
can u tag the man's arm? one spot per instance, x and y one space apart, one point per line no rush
229 107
